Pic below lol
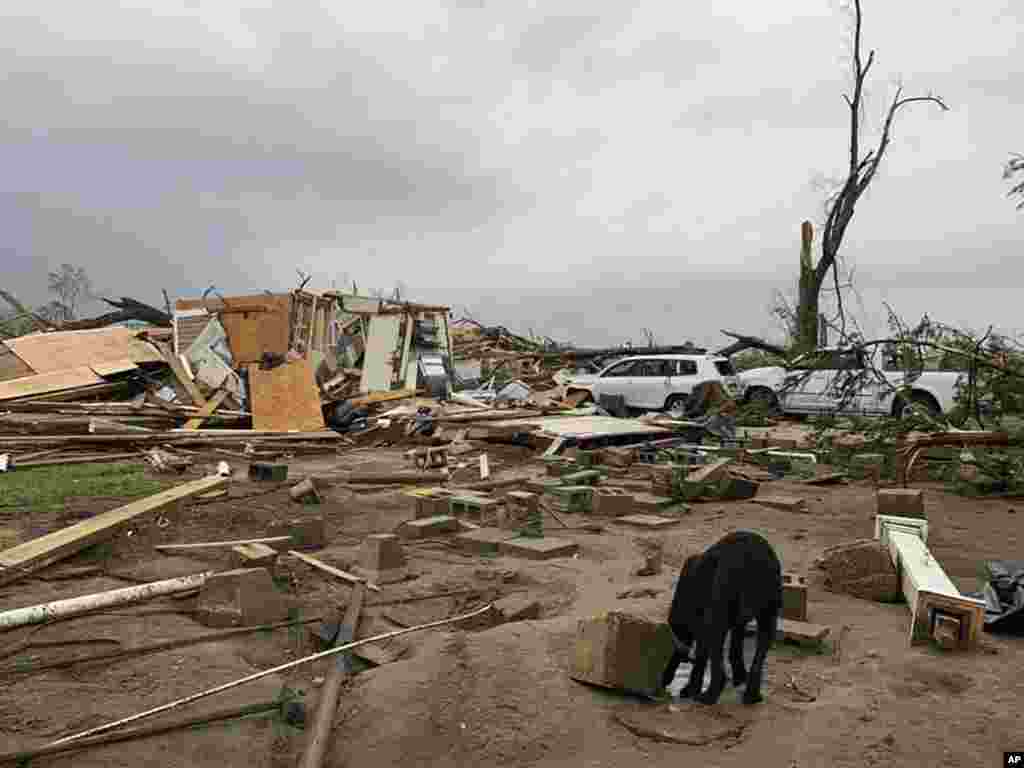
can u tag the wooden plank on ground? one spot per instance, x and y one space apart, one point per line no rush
351 578
207 410
33 555
285 398
219 544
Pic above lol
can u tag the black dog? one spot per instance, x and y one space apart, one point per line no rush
734 581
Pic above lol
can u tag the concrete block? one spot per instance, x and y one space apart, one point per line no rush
268 473
620 651
306 533
430 502
571 498
255 556
381 559
547 548
476 508
646 521
901 502
517 608
794 597
241 598
426 527
519 505
612 502
483 541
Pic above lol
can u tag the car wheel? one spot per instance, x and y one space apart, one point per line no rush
903 410
675 406
764 397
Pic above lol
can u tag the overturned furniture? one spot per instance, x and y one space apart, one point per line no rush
938 610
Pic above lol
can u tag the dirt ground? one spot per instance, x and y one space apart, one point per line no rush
501 696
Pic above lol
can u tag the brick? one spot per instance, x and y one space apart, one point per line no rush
794 597
547 548
428 526
306 533
901 502
381 559
621 651
255 556
244 597
517 609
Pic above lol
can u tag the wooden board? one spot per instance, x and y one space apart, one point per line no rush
48 383
260 325
51 352
26 558
12 366
207 410
112 367
285 398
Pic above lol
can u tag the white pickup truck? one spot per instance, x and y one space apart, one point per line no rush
815 384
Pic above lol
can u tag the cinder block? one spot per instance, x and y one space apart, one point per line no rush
306 533
571 498
621 651
431 502
612 502
428 526
901 502
244 597
517 609
268 473
519 505
255 556
483 541
476 508
794 597
381 559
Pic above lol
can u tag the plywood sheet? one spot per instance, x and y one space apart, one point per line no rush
113 367
381 348
58 351
46 383
254 324
285 398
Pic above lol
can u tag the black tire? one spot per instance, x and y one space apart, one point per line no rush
920 399
675 401
764 396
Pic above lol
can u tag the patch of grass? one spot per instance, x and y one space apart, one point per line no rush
48 488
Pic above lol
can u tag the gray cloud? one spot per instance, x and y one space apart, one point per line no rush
583 169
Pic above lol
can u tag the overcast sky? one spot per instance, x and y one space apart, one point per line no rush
581 169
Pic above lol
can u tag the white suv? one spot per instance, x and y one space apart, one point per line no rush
656 382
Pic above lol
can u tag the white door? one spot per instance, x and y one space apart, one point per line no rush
652 382
381 350
617 380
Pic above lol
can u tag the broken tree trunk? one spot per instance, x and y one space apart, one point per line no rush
127 309
59 609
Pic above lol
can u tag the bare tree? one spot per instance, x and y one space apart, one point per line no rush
71 286
860 172
1014 166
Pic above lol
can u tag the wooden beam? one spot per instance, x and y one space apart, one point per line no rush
382 397
207 410
27 558
216 544
183 378
351 578
328 707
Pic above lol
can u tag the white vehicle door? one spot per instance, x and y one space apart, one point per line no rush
807 383
652 382
684 377
616 380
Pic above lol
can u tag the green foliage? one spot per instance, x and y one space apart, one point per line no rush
755 358
48 488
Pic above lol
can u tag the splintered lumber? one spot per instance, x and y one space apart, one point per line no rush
328 706
86 458
219 544
33 555
60 609
351 578
265 673
99 426
382 397
207 410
